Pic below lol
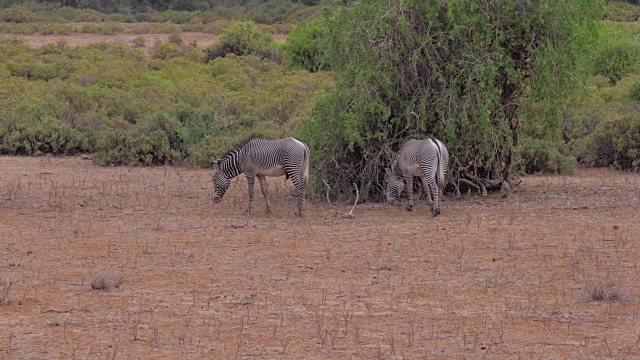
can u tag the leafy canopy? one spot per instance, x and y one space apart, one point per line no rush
455 70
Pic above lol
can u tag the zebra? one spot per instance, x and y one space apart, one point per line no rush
427 159
260 157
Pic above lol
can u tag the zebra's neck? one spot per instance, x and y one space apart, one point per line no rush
231 167
395 168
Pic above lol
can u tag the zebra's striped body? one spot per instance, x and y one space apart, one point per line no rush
427 159
259 157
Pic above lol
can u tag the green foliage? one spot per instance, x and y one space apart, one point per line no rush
618 54
128 108
118 143
18 14
305 46
617 142
165 50
603 128
47 137
540 155
269 12
244 38
634 92
178 12
89 16
455 70
622 11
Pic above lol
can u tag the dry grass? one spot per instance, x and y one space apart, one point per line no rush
603 289
106 281
489 278
5 292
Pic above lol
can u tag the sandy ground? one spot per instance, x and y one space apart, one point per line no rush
491 278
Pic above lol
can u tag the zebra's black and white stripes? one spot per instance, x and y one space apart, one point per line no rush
260 158
428 159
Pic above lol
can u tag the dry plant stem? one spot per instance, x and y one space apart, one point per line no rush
350 215
356 201
328 190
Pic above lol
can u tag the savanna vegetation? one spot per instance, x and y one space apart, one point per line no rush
510 86
170 107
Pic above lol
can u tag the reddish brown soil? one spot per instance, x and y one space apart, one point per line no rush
490 278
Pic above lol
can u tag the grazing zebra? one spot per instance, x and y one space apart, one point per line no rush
259 157
427 159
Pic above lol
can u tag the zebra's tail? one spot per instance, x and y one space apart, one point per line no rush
440 167
305 164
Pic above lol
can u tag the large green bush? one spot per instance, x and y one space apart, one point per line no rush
47 137
456 70
244 38
305 46
617 142
18 14
118 143
602 128
618 54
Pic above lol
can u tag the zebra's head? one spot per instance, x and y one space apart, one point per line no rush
220 181
394 186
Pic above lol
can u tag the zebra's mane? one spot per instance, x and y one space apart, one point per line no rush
236 148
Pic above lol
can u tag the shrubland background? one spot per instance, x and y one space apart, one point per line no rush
338 87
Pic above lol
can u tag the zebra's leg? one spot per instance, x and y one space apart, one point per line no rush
409 181
299 184
251 180
425 184
265 192
435 208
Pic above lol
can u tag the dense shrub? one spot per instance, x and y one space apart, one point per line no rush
272 11
622 11
617 142
602 128
128 108
89 16
544 156
119 143
305 46
634 92
18 14
165 50
618 55
48 137
244 38
456 70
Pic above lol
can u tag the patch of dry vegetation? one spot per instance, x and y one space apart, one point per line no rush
106 281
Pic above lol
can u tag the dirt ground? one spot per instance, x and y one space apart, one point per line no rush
551 273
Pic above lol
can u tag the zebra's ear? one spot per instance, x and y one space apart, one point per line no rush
215 166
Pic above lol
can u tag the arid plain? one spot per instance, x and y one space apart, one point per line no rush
551 272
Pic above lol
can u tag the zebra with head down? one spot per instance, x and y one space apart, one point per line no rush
259 157
427 159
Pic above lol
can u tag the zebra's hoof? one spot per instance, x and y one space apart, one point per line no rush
436 212
410 208
268 211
